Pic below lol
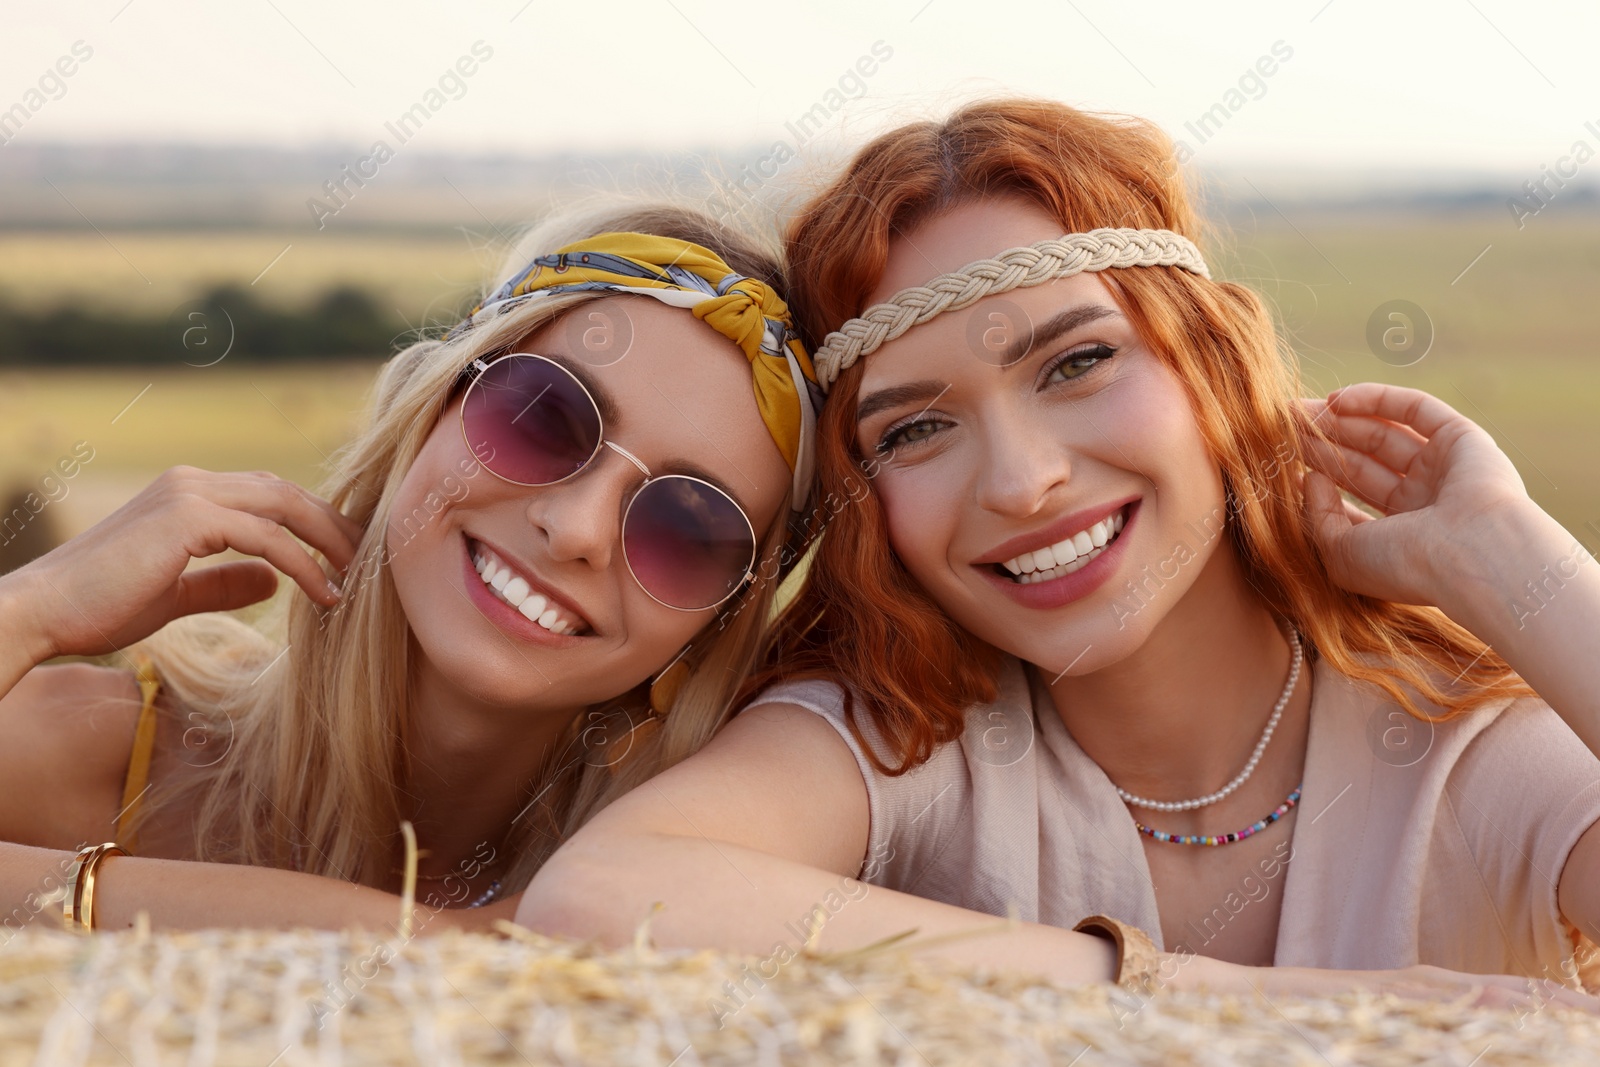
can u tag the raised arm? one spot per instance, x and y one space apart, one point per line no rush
1459 531
128 575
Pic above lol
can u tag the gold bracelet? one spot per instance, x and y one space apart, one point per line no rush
69 902
77 907
1137 955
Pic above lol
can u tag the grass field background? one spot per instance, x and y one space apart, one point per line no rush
1514 347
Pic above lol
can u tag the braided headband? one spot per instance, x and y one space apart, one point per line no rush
1014 268
746 311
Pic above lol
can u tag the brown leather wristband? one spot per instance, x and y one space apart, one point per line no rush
1137 956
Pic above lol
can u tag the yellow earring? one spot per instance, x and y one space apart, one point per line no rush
664 689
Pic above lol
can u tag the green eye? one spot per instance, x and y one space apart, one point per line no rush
909 433
1077 364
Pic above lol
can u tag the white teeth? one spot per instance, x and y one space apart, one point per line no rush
1059 572
1066 556
516 591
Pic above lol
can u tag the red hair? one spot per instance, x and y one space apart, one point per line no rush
861 619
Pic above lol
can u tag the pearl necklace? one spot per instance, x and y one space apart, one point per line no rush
1255 757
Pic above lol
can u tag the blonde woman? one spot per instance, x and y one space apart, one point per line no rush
554 542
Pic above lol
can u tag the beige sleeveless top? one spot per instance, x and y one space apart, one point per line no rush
1415 843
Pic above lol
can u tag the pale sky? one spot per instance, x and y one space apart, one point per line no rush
1451 85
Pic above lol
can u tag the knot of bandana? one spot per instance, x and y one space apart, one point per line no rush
746 311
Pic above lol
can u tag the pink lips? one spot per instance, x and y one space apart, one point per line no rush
504 615
1059 530
1075 586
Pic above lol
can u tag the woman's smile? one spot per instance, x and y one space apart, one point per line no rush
1064 566
514 585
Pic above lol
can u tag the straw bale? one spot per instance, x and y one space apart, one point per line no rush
283 999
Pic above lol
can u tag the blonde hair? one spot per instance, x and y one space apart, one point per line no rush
315 730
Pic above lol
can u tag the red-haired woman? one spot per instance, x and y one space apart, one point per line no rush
1082 637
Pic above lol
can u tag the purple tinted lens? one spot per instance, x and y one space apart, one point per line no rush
530 421
687 542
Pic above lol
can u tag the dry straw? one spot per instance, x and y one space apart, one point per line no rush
257 998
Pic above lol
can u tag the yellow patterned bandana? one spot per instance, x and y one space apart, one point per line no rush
744 310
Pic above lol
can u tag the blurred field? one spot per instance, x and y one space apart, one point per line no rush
284 418
1513 349
153 271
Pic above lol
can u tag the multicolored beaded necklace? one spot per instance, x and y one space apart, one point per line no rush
1224 839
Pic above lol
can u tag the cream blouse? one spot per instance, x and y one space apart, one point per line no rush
1415 843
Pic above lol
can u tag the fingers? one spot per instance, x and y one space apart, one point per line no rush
1508 993
309 517
1423 412
1364 476
1333 522
1501 990
1329 516
257 535
225 587
1394 445
265 495
1355 514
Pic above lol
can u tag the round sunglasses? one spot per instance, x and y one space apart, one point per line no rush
530 421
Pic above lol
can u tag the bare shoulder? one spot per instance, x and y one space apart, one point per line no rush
778 778
66 733
787 742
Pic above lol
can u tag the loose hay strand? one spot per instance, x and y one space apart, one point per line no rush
1006 925
641 933
408 885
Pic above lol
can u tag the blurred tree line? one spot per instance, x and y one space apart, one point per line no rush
228 321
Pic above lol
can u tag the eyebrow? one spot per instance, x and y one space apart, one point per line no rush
1062 322
927 390
694 470
920 392
610 415
603 400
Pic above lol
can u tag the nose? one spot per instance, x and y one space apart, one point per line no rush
581 518
1022 464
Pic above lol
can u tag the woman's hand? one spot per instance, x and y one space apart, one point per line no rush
1443 486
1420 982
125 578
